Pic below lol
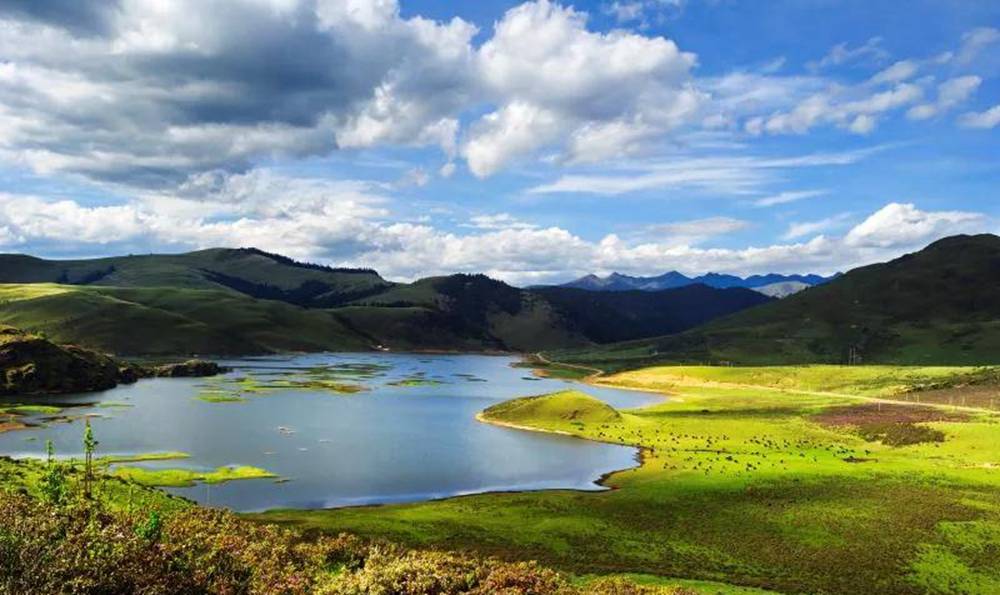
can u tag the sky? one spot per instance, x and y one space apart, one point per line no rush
534 142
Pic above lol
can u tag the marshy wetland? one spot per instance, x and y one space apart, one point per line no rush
323 430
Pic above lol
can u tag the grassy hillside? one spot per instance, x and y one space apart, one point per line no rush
496 315
238 301
168 321
750 476
940 305
246 270
567 406
616 316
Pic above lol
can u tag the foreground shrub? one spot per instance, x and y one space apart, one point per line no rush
93 547
44 549
390 571
620 586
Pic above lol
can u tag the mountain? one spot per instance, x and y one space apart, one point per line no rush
940 305
242 301
782 289
466 311
673 279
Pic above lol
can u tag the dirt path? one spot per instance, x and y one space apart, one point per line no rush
594 372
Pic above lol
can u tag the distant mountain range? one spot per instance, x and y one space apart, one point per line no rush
940 305
772 284
245 301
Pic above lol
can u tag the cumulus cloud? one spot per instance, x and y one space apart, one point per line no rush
897 73
848 108
950 93
974 42
903 224
553 78
767 104
987 119
345 223
147 94
166 90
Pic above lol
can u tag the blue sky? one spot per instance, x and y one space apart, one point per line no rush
532 141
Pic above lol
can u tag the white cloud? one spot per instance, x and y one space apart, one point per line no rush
987 119
553 79
164 90
787 197
152 93
729 175
974 42
842 53
903 224
802 229
336 229
842 107
950 93
692 232
498 221
897 73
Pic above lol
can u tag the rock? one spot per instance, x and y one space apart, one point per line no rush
189 369
30 364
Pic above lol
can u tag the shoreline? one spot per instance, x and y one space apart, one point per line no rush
641 452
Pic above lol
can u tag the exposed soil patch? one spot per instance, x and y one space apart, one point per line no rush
7 425
895 425
985 396
858 415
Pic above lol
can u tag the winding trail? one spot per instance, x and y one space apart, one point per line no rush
594 372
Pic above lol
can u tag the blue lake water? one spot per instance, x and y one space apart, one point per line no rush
386 444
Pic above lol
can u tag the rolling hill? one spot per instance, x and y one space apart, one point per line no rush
939 305
246 270
242 301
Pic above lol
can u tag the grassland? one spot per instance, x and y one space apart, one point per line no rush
170 320
181 478
816 479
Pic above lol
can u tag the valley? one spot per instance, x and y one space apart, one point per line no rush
842 439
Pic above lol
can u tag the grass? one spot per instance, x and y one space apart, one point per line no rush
142 457
569 406
180 478
32 410
332 379
743 482
868 381
170 320
211 397
416 382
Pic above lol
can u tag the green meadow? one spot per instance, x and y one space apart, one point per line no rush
793 479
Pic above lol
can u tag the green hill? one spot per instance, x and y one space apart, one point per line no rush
565 407
940 305
445 312
170 321
244 301
245 270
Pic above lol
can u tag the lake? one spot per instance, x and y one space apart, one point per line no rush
409 433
